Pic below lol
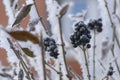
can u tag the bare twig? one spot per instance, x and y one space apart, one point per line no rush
70 69
52 68
94 51
115 5
43 58
114 36
60 71
25 68
86 63
102 65
63 50
114 11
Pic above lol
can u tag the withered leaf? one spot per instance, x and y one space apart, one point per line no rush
24 36
22 14
28 52
64 10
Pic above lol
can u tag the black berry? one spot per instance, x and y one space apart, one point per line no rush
81 35
88 46
99 29
51 47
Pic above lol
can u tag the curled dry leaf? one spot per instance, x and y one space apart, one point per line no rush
28 52
64 10
22 14
24 36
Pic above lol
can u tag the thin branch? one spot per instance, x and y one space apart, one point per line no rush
43 58
114 36
115 5
94 51
17 53
114 11
60 71
102 65
63 50
70 68
86 63
52 68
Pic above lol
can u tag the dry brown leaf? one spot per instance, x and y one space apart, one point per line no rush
24 36
28 52
22 14
64 10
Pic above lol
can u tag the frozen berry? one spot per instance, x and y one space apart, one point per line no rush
88 46
51 47
89 36
72 38
99 24
110 73
46 43
99 19
91 25
51 54
77 28
111 68
81 36
74 45
84 39
99 29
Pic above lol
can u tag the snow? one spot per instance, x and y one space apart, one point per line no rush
104 40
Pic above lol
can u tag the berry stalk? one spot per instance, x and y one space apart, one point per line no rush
86 63
63 50
43 58
94 50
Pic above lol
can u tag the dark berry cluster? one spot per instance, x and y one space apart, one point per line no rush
96 25
110 71
51 47
81 36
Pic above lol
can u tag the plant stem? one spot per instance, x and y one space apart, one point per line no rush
115 5
45 27
114 36
86 62
52 68
60 71
62 46
42 54
17 53
70 68
94 50
102 65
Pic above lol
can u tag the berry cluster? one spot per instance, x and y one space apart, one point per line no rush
81 36
51 47
110 71
96 25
